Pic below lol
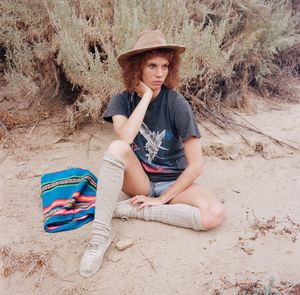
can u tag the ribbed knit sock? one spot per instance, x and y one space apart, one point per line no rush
109 186
178 214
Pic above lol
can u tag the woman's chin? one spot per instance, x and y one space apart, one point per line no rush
155 87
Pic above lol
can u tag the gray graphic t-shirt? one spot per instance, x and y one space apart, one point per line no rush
168 122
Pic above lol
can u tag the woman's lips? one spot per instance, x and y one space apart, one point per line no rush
157 82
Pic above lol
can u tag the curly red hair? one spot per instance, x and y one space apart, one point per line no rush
132 69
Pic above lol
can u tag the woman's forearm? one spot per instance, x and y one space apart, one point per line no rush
187 177
130 128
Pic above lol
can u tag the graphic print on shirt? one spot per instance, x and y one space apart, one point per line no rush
135 147
154 141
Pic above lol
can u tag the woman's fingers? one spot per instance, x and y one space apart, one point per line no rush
137 199
141 199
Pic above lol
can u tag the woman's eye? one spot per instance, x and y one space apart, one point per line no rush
165 67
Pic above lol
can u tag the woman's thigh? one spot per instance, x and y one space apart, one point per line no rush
197 196
136 181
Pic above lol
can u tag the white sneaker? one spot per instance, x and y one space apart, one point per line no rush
92 258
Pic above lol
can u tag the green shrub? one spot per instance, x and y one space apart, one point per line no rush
232 47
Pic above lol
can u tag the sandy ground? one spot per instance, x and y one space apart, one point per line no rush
258 243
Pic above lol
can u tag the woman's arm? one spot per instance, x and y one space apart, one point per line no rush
193 153
127 129
194 157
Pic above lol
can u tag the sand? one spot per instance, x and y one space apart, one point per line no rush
257 245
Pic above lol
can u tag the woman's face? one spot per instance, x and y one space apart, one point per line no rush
154 72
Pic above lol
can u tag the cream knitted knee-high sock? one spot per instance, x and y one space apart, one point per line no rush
110 184
178 214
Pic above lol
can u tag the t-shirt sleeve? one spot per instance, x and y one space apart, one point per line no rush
185 122
118 105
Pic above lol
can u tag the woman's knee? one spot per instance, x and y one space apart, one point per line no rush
119 148
214 215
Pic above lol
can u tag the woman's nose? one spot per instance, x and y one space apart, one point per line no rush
159 72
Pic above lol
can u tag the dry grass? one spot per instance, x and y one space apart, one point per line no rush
258 287
285 227
28 263
9 121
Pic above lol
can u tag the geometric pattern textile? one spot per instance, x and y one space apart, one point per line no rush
68 198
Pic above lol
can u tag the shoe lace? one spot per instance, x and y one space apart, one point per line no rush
92 249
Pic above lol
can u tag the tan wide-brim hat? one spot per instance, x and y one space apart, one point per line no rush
148 40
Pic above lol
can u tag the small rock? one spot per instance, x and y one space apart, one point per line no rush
124 244
116 258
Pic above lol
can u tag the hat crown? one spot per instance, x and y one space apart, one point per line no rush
150 38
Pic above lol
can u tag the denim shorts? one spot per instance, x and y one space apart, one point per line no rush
158 188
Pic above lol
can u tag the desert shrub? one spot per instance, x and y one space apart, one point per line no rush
233 47
23 32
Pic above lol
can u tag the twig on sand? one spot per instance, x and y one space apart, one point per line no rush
227 283
42 275
70 274
5 129
147 259
251 127
88 146
64 278
56 80
275 140
94 290
258 287
224 122
28 272
3 158
33 127
210 131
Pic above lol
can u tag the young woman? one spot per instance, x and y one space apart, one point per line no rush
157 156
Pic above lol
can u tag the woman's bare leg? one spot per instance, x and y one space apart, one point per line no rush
136 181
211 209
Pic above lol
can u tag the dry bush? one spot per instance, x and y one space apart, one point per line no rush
233 47
24 29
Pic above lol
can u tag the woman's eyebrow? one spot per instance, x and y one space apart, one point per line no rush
154 64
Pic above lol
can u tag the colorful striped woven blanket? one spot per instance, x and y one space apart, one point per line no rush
68 199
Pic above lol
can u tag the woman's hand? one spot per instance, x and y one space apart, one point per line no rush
145 201
142 88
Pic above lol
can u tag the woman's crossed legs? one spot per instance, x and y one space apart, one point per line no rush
136 182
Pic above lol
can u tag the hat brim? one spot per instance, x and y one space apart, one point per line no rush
125 55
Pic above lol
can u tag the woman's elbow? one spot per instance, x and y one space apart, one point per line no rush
127 139
124 136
